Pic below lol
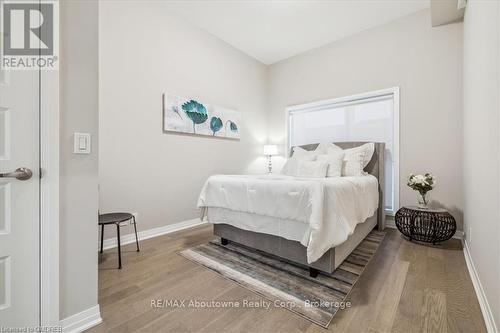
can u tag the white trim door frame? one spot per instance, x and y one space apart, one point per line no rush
394 91
49 198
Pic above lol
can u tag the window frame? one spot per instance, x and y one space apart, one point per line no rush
353 99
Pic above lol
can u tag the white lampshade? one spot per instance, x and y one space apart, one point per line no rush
270 150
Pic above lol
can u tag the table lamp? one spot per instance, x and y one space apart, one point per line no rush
269 151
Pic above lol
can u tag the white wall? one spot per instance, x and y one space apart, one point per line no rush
143 52
482 144
78 173
425 62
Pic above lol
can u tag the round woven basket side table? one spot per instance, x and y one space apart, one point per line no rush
425 225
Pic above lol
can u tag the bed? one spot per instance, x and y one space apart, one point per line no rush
269 213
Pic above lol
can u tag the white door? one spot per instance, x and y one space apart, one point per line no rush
19 199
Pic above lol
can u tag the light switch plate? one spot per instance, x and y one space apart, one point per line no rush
81 143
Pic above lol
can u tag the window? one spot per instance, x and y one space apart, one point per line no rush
371 117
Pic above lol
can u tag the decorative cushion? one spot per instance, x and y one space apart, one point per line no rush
291 165
300 152
335 161
327 148
353 164
312 169
366 150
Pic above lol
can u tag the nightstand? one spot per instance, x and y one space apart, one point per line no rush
425 225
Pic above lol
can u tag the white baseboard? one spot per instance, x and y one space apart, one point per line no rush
150 233
391 224
489 320
82 321
459 234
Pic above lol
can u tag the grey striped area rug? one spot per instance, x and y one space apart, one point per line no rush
286 284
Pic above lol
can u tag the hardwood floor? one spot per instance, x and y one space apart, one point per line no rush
406 287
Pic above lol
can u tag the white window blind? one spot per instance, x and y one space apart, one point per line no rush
368 117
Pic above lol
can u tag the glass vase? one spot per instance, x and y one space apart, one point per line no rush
423 200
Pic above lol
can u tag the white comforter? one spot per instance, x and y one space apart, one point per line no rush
331 207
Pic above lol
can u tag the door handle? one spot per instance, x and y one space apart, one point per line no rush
20 174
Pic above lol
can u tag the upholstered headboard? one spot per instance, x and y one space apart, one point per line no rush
375 168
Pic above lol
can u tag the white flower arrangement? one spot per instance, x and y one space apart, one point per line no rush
422 184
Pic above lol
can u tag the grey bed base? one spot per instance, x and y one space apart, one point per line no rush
294 251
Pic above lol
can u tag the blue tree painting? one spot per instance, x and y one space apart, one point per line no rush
196 112
188 115
215 125
233 127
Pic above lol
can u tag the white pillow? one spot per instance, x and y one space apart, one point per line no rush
299 152
291 165
327 148
335 161
312 169
353 164
366 150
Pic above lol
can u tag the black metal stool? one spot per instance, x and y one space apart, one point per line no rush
117 218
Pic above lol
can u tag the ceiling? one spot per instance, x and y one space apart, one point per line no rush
274 30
